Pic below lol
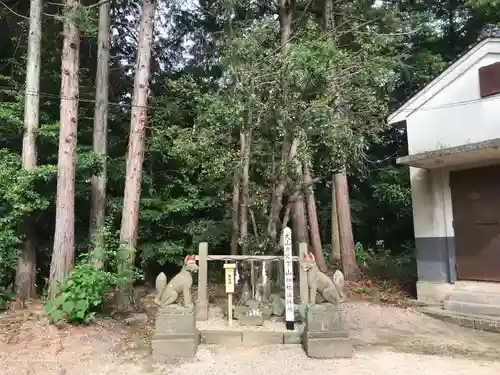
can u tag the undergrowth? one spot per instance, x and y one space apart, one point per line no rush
383 264
81 295
7 295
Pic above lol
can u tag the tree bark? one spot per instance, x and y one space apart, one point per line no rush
64 237
277 194
26 267
246 140
99 144
130 216
299 223
255 229
286 14
329 18
335 257
342 236
235 211
348 254
313 221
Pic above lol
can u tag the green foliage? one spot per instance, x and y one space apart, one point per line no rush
384 264
82 294
331 91
7 295
84 17
490 7
19 199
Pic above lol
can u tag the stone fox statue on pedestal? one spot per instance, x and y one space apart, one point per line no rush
331 290
166 294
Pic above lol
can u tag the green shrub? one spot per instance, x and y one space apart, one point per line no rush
82 294
7 295
382 263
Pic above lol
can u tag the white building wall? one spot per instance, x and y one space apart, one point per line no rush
433 224
456 115
449 112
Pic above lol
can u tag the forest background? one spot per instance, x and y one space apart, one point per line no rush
258 114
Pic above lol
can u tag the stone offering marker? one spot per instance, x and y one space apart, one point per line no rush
326 334
175 333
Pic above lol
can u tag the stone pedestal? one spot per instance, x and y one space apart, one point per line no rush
251 320
326 334
201 310
175 333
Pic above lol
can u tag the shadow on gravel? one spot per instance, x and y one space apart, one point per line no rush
409 331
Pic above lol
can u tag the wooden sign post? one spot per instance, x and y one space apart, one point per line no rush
287 249
229 273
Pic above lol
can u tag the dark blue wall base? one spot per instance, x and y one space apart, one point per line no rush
436 259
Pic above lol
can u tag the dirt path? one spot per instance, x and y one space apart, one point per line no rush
410 331
388 341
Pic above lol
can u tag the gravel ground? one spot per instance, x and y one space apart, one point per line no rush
388 341
281 361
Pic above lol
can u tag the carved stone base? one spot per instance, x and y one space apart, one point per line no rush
326 334
175 333
167 348
201 310
251 320
325 318
331 347
242 311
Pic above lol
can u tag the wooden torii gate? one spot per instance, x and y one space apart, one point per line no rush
203 258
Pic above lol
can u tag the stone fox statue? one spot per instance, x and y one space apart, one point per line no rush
331 290
166 294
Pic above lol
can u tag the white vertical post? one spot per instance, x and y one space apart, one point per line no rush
202 302
287 250
229 273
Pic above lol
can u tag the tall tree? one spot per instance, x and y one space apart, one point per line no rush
298 209
286 13
64 236
313 220
98 200
335 27
135 156
335 257
246 139
235 208
26 268
347 248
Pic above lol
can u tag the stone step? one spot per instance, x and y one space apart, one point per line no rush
479 322
475 286
475 297
472 308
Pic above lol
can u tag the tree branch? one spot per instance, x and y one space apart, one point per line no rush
303 186
98 4
13 11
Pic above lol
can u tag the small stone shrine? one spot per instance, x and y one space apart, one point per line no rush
324 334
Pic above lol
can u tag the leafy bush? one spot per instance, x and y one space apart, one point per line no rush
82 294
382 263
6 295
